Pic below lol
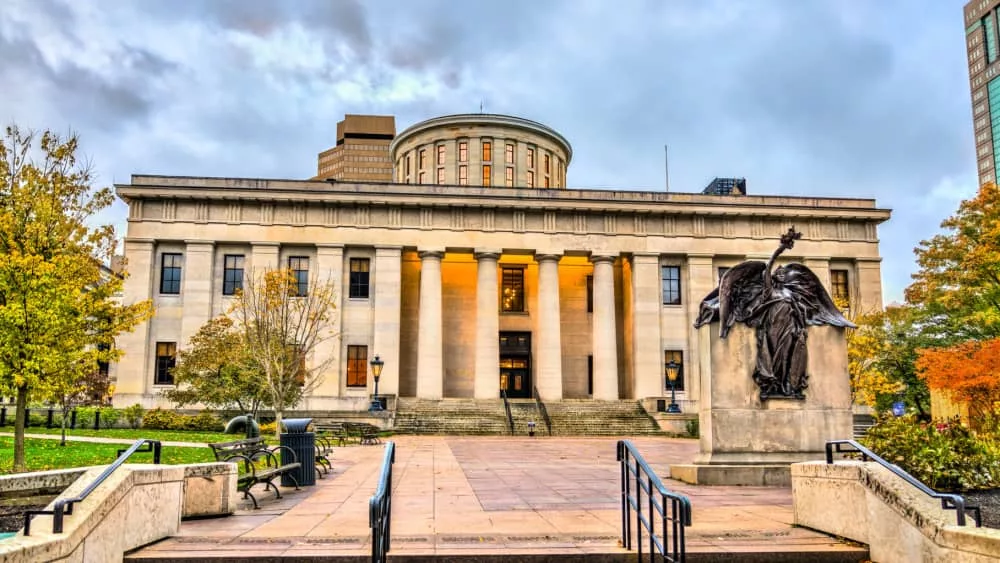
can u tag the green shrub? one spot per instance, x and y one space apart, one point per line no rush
85 417
205 421
133 415
36 419
691 426
110 417
944 455
159 419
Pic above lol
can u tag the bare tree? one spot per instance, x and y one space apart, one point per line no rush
283 320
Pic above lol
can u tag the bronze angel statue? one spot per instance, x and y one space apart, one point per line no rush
780 305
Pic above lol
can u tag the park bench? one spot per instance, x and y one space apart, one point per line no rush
345 432
260 464
366 433
324 451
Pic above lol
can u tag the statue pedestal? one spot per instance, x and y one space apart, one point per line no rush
747 442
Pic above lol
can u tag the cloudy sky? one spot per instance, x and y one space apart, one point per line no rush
831 98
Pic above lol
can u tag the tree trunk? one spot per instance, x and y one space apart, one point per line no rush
65 412
277 425
20 417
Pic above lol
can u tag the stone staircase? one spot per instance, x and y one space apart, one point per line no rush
862 422
585 417
570 417
480 417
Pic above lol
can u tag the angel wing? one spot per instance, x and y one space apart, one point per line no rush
741 292
800 283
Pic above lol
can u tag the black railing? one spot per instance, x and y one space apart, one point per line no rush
948 501
540 406
380 507
506 407
64 506
639 486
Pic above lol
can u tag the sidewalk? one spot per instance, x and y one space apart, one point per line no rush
100 440
465 495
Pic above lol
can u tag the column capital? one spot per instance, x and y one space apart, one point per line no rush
700 259
816 259
432 254
548 257
265 243
329 246
209 244
598 258
487 254
384 248
868 259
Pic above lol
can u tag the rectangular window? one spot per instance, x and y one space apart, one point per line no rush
463 152
590 375
991 38
299 265
487 175
531 179
546 163
357 366
407 167
531 158
463 175
487 151
232 274
440 176
678 357
671 285
722 272
170 274
358 287
420 177
838 283
546 181
508 176
590 294
441 152
166 358
508 153
421 159
512 290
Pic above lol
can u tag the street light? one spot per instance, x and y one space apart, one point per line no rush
673 370
376 373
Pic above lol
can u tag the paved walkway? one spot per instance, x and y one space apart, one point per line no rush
463 495
100 440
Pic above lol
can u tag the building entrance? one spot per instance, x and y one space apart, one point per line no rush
515 364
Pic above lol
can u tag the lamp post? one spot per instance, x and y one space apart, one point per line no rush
377 364
673 370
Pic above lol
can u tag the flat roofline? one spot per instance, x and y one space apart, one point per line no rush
593 194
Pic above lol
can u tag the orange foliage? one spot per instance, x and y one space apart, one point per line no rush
970 371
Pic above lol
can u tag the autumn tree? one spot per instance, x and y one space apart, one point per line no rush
216 370
58 307
283 321
881 354
970 371
957 286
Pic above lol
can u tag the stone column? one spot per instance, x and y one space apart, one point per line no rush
132 371
487 382
387 273
430 347
701 282
548 356
263 256
330 269
196 288
605 340
647 349
869 285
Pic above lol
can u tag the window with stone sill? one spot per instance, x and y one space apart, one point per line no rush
357 366
512 290
170 274
440 154
166 359
463 151
463 175
671 280
358 287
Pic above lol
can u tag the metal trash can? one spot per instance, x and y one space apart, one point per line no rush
303 444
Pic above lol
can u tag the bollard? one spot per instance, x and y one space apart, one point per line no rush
97 419
531 428
3 416
72 419
48 419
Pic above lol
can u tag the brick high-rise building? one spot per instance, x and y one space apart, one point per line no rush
362 150
981 37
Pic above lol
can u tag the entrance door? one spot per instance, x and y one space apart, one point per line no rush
515 364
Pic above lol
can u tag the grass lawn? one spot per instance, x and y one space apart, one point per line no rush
48 454
163 435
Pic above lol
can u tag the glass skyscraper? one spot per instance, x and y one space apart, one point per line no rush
981 41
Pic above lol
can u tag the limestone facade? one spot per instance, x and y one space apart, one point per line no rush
468 289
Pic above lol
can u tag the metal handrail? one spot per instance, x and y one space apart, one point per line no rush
64 506
671 507
506 406
540 406
949 501
380 507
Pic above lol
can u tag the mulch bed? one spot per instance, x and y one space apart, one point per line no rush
988 502
12 517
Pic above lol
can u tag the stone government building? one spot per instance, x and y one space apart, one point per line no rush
468 266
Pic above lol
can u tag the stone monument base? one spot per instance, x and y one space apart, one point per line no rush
745 475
